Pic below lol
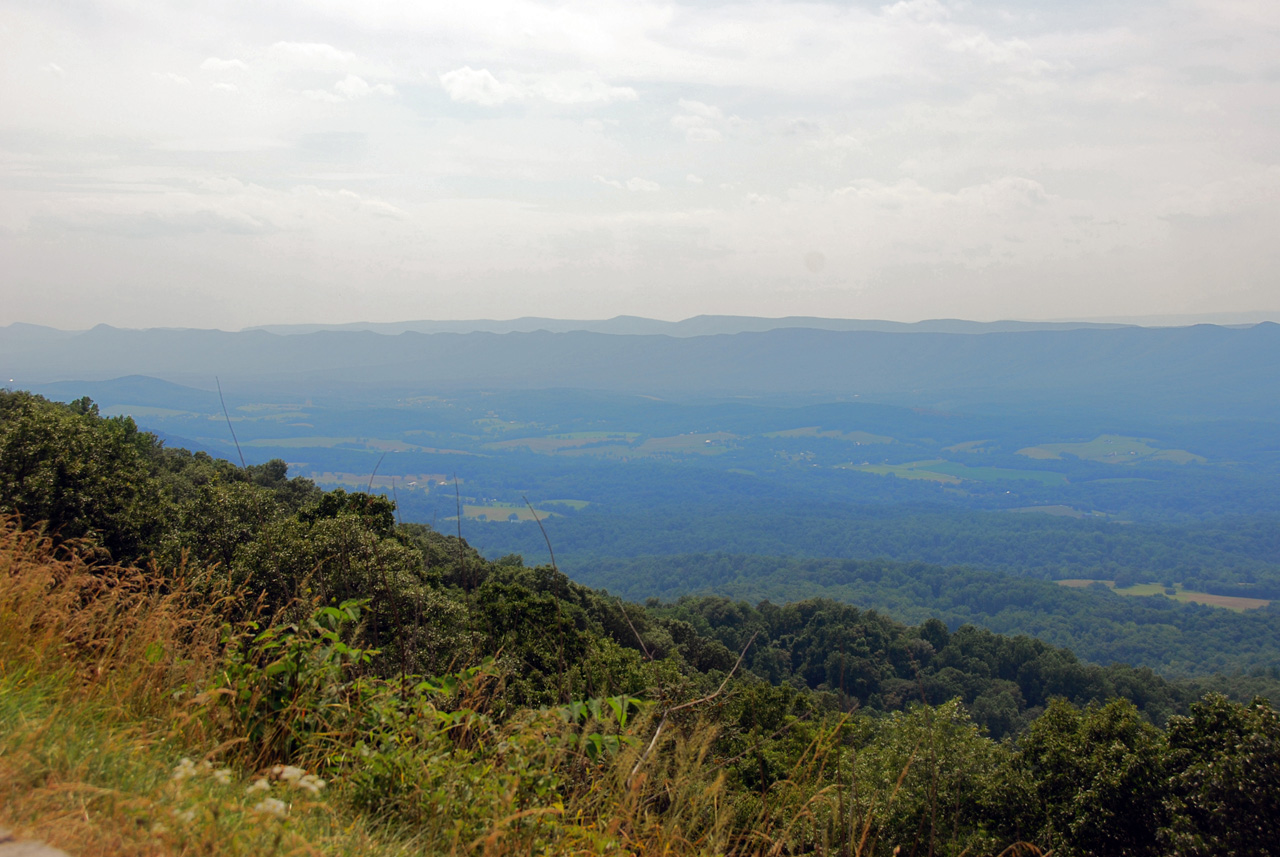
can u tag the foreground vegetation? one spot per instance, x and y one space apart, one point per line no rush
202 658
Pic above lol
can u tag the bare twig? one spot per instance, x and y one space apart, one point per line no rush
534 512
228 418
395 498
663 722
559 618
622 605
721 688
369 489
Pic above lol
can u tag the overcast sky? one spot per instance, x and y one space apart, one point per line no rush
334 161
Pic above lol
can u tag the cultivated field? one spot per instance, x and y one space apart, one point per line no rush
619 444
1230 602
859 438
1113 449
504 512
949 472
554 443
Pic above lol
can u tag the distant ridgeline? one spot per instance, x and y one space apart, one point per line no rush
1173 372
431 604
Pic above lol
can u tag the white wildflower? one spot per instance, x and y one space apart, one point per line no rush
186 770
311 783
259 785
222 776
288 773
271 806
186 816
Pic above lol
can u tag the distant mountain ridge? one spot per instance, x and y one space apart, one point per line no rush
1196 371
701 325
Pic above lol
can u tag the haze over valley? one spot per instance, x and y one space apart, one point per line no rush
733 448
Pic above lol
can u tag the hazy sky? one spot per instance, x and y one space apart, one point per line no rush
335 161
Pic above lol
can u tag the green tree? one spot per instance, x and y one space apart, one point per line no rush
930 783
1226 782
1097 779
82 475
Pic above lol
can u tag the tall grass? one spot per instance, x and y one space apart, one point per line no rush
96 667
141 716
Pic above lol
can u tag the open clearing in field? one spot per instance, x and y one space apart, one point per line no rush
504 512
859 438
360 481
373 444
911 470
145 411
967 446
711 443
949 472
1057 511
551 444
1186 596
620 444
1112 449
493 425
576 505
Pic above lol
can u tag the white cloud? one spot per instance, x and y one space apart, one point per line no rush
699 121
215 64
171 77
578 89
472 86
702 135
356 87
693 179
54 68
224 87
635 184
351 201
481 86
349 88
696 109
921 11
311 55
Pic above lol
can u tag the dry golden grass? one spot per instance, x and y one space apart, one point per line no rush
95 663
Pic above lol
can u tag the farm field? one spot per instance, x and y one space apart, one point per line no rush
710 443
618 444
1187 596
379 444
361 481
552 444
967 446
504 512
858 438
952 473
1058 511
1112 449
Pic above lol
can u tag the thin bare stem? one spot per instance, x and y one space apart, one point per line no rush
228 419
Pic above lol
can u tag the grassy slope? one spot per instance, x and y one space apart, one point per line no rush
94 722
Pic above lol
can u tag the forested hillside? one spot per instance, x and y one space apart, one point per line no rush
464 705
1095 622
